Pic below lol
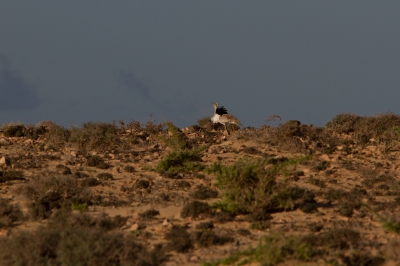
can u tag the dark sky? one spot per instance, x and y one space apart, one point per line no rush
93 60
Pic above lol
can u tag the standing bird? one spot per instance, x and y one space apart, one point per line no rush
221 116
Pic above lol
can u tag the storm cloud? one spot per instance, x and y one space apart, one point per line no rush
129 80
16 92
301 60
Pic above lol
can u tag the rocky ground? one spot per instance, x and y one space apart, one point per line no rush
157 195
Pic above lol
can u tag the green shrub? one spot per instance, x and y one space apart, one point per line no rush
97 161
57 136
90 182
384 127
205 122
248 185
95 136
80 174
79 207
105 176
14 130
207 238
149 214
11 175
129 168
76 240
151 127
182 157
179 239
30 131
196 209
52 192
271 250
203 192
9 214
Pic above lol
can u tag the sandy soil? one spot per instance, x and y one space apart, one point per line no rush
345 169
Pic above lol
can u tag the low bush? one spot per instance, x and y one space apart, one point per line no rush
11 175
57 136
149 214
182 157
196 209
76 240
203 192
95 136
206 238
97 161
10 214
383 127
248 186
179 239
105 176
52 192
14 130
129 168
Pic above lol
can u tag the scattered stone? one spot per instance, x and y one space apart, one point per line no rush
134 227
116 170
4 162
324 157
371 148
5 142
147 158
4 232
29 142
194 258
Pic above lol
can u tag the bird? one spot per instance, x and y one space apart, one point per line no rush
221 116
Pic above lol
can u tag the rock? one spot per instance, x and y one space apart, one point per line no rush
155 146
371 148
324 157
29 142
268 166
166 225
191 135
116 170
72 153
134 227
4 232
69 159
194 258
4 142
4 162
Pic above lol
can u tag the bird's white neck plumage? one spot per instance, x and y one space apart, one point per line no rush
215 118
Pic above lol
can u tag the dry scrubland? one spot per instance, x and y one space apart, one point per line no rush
153 194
